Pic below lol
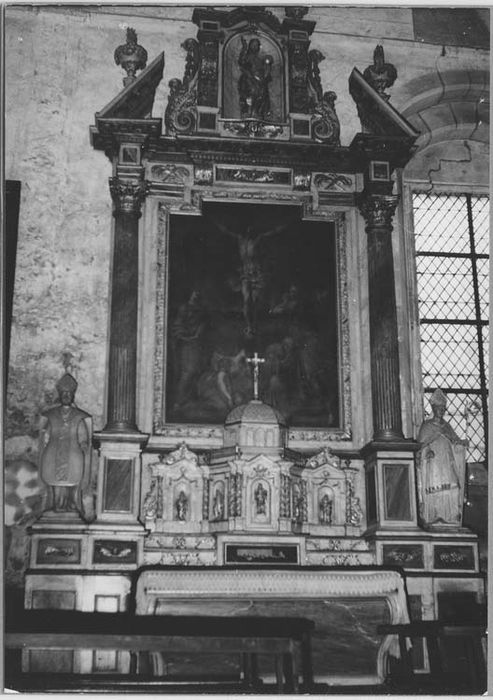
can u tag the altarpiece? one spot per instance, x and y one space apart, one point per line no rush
254 411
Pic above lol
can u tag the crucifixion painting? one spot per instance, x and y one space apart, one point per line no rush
252 273
246 279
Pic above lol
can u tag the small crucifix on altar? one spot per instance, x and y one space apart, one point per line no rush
255 361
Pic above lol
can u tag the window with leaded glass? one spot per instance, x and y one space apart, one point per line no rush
452 238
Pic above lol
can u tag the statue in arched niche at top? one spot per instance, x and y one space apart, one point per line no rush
253 84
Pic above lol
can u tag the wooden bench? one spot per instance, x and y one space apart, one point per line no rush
287 640
436 633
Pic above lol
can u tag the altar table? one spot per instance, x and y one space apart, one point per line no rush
346 604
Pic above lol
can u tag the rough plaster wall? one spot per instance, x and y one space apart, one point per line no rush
59 72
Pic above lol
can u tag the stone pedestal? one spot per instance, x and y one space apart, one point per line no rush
390 485
119 482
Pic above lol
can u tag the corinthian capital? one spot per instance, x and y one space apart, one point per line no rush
378 209
128 195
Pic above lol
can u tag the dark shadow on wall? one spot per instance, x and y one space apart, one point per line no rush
12 201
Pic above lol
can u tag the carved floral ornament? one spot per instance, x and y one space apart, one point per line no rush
378 210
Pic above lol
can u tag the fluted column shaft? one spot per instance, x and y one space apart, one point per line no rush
127 197
378 211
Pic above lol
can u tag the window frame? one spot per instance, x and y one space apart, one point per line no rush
418 391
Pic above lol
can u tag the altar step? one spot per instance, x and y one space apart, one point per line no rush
92 683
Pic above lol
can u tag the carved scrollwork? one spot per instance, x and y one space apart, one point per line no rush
182 453
325 456
150 502
325 124
180 116
354 514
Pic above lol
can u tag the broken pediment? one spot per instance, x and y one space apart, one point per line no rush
378 117
131 109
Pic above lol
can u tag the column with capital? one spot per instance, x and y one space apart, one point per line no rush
389 458
120 443
378 210
128 196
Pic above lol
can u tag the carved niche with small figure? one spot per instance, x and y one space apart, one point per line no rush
260 61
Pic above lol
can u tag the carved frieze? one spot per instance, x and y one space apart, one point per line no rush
169 173
249 127
302 180
334 182
253 175
203 176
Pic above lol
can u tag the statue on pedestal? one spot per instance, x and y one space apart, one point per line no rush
441 468
260 496
181 506
65 450
218 505
325 510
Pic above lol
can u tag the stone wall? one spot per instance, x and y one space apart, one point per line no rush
59 72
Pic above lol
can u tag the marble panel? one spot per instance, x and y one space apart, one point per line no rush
352 650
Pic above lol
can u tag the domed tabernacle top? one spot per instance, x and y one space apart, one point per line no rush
255 412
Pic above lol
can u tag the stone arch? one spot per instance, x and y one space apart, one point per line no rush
451 112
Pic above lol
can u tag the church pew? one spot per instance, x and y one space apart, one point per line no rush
437 633
287 640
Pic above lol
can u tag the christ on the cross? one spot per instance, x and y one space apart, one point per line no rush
252 272
255 361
